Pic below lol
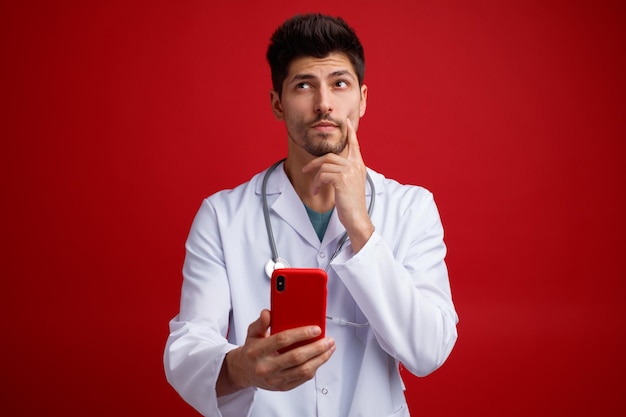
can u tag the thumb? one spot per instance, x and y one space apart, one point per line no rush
259 327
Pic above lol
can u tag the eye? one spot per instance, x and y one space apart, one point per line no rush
341 84
303 86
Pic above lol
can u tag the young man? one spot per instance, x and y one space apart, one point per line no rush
388 285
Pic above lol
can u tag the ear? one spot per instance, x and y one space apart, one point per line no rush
277 107
363 103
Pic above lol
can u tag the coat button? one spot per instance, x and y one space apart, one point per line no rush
324 391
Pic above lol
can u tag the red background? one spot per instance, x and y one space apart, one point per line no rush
119 117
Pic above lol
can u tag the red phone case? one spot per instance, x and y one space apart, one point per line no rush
300 300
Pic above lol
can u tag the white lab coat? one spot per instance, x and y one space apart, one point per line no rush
398 282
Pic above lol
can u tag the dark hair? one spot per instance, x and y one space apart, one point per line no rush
314 35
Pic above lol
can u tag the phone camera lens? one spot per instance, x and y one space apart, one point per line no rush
280 283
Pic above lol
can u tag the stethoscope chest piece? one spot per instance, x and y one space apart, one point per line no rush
270 265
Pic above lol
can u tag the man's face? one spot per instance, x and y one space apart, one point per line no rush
318 95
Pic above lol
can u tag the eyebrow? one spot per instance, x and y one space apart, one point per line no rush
334 74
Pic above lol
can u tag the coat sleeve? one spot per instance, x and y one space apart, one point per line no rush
197 344
405 295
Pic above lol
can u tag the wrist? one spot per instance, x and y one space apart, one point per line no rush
360 236
230 380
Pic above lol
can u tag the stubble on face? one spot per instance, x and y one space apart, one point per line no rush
318 143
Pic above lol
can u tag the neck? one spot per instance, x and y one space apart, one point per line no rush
323 201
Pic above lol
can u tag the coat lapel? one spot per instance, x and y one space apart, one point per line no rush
288 206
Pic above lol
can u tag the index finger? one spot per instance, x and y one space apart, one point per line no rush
354 150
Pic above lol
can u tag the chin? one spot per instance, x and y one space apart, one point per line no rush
325 150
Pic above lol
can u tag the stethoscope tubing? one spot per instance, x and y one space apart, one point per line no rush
266 211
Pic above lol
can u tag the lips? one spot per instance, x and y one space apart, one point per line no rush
324 126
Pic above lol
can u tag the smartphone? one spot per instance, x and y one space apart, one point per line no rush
298 298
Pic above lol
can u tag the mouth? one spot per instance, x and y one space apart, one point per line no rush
325 126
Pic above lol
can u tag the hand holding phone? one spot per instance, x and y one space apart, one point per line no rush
298 298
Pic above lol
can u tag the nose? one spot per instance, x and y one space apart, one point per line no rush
323 102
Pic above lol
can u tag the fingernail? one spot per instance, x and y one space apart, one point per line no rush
316 331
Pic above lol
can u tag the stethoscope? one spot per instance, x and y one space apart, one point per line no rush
276 262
